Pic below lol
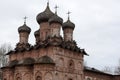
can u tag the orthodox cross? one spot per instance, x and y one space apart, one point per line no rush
56 9
25 19
68 15
48 3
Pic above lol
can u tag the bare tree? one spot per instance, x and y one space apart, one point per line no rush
107 69
4 48
117 68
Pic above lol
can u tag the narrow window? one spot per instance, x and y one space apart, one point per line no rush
38 78
70 79
18 78
71 64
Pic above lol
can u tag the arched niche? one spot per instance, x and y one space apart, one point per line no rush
38 76
48 76
79 65
18 76
27 76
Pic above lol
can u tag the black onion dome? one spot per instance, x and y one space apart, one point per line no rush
45 60
24 28
56 19
68 24
45 15
37 33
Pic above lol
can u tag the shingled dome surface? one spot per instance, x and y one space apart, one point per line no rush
68 24
55 19
45 60
24 28
45 15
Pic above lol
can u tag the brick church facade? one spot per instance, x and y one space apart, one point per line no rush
53 57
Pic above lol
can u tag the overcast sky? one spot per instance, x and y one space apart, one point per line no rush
97 25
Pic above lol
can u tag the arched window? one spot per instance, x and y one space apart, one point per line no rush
71 64
70 79
18 78
38 78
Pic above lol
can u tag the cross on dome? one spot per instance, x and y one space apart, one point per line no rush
68 14
48 3
56 9
25 18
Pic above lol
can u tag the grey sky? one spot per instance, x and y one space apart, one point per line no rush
97 25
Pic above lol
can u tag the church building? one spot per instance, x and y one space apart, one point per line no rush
53 57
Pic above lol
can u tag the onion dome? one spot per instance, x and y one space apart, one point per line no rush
45 15
56 19
68 24
36 33
45 60
24 28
